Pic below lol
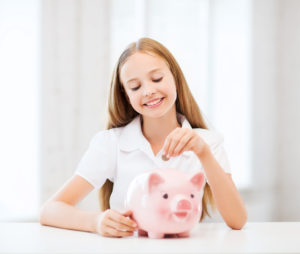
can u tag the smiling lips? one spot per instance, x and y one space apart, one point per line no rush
154 103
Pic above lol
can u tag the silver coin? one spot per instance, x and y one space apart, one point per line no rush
164 158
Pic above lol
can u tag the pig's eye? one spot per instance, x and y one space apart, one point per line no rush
192 195
165 196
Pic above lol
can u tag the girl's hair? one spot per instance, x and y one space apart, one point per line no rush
120 112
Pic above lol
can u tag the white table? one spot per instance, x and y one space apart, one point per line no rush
270 237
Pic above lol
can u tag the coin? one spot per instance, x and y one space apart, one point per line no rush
164 157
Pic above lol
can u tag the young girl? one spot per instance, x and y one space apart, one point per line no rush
154 122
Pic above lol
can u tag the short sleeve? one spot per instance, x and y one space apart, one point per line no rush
99 161
215 141
217 148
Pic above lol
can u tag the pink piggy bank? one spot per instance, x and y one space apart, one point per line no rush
165 201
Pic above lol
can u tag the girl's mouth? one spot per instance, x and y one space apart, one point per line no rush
154 103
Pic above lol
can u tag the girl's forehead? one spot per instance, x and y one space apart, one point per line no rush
141 63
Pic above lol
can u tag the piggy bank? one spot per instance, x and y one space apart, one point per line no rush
165 202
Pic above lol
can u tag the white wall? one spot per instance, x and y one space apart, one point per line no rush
276 120
19 86
260 200
288 115
75 77
75 46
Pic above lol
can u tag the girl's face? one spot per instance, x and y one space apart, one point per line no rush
149 85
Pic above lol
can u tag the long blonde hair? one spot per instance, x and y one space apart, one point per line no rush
120 112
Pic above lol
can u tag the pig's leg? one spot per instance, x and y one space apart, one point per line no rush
155 235
142 232
184 234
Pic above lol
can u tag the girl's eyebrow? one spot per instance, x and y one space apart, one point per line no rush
150 72
154 70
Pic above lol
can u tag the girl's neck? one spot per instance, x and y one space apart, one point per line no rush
156 130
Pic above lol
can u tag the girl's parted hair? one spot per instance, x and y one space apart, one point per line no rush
120 112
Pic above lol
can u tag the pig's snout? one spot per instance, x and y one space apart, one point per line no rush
181 203
184 205
182 210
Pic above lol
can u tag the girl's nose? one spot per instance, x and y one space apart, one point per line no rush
148 90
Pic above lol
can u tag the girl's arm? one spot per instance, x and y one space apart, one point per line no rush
226 196
59 211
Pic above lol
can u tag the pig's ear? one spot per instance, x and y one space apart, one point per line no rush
153 181
197 180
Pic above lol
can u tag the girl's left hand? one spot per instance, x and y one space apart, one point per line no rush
181 140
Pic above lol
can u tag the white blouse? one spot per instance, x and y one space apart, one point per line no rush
119 154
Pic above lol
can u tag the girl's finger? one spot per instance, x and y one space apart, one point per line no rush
187 147
127 213
183 142
112 232
123 220
173 143
119 226
166 146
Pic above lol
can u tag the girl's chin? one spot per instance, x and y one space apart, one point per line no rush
158 114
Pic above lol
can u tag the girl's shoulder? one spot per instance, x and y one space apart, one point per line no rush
118 135
110 136
211 137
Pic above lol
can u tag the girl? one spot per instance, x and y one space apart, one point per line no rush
154 122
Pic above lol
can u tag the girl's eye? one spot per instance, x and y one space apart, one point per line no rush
157 80
192 195
135 88
165 196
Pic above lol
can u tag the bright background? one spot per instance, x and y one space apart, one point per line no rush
241 59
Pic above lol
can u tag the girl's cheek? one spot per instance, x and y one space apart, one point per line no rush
133 102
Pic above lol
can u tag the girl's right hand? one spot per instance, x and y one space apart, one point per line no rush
114 224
